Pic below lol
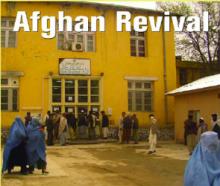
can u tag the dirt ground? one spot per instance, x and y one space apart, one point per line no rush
108 165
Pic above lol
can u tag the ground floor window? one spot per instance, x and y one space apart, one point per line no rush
140 94
74 95
9 94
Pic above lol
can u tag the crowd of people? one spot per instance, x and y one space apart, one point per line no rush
25 146
60 127
193 131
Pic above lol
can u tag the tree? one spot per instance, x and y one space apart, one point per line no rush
197 46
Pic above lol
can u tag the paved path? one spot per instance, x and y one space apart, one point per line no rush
108 164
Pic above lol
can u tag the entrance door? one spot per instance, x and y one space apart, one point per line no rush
74 94
195 114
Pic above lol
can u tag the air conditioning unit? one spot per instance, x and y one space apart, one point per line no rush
14 82
77 46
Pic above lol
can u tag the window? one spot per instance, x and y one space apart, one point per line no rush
139 96
183 76
8 36
82 91
56 90
137 43
69 90
79 94
66 40
94 91
9 94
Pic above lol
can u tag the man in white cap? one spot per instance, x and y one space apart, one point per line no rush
153 134
202 127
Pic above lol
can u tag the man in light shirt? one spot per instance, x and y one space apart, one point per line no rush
153 134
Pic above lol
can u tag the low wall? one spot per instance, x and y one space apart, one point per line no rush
165 133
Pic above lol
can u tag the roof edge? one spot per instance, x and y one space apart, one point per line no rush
193 91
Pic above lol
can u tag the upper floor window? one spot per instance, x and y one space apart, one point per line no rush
137 43
76 41
8 36
140 95
9 94
183 76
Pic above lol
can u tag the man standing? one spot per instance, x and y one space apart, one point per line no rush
216 124
56 122
27 119
127 128
82 125
97 125
135 126
63 129
71 121
120 126
201 128
46 117
105 125
153 134
191 133
214 119
91 125
50 126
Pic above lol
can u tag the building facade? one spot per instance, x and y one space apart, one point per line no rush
200 98
111 71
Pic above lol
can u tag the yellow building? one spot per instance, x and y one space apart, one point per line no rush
201 98
111 71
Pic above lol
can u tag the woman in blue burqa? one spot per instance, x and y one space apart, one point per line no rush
36 149
203 168
14 149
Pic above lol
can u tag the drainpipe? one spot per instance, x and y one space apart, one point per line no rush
165 76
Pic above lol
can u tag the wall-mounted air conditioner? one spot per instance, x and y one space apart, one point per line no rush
77 46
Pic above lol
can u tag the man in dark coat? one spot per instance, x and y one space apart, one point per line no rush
56 123
27 119
105 125
135 126
127 128
82 125
191 133
50 127
216 124
91 124
71 121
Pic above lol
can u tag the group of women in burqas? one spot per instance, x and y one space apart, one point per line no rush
25 147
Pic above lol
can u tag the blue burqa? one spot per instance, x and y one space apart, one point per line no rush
16 136
35 147
203 168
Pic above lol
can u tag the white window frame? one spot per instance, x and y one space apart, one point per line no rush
75 34
76 103
7 29
133 90
137 38
10 87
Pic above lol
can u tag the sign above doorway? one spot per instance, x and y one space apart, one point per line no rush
73 66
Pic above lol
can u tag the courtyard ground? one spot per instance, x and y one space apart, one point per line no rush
108 164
